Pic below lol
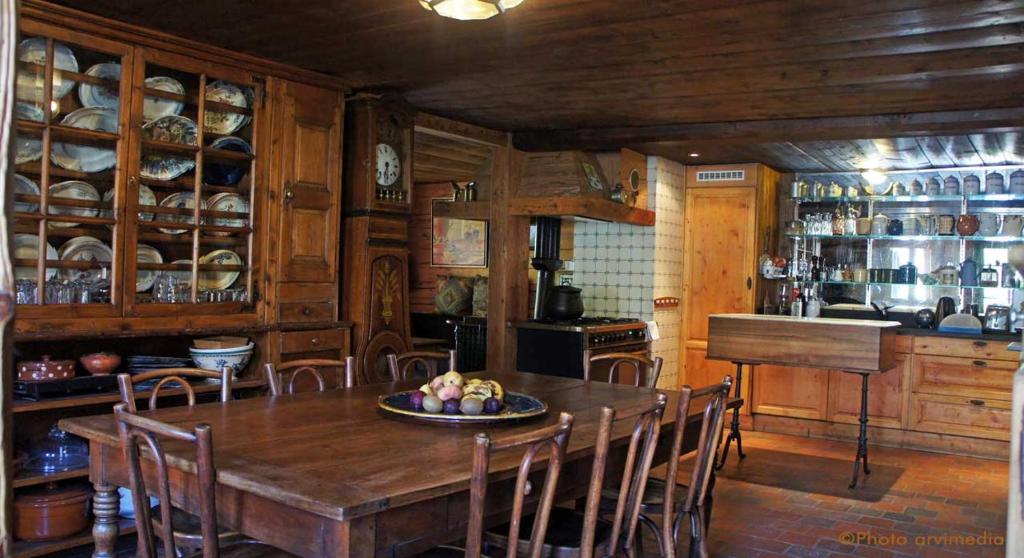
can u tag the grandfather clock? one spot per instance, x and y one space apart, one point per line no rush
378 183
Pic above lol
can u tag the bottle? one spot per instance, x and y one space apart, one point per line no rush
812 308
797 307
815 270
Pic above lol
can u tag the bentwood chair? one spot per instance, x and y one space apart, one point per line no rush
187 532
282 379
646 368
549 440
675 501
139 432
403 366
571 534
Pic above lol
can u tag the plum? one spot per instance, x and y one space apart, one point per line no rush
451 407
416 400
492 405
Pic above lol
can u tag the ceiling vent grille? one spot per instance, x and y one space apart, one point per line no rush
721 175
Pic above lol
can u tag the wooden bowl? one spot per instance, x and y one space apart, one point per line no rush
100 364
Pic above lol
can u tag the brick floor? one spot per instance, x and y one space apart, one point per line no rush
789 498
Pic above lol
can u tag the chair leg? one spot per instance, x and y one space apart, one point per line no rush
698 544
646 521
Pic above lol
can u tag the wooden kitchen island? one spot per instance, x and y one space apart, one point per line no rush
863 347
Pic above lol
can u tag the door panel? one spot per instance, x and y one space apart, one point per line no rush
885 396
790 391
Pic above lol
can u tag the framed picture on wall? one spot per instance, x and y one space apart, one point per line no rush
458 242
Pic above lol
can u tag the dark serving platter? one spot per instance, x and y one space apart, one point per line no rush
517 406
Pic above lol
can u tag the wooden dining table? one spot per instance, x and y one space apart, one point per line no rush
330 475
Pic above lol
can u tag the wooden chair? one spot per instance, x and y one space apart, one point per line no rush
187 532
574 535
139 432
650 369
403 366
675 501
297 368
551 440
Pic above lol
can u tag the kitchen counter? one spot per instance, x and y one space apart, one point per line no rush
921 332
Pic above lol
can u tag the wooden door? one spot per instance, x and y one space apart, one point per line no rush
308 125
789 391
702 372
886 401
719 240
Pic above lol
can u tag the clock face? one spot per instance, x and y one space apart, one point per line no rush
389 167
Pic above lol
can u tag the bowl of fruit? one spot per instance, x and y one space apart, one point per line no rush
452 398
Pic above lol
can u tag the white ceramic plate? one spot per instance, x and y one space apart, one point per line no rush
26 246
29 111
83 158
146 197
85 249
165 167
93 95
31 84
227 201
172 129
72 190
215 280
144 278
221 122
28 148
156 107
24 185
179 200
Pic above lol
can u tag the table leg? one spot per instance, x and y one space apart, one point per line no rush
734 429
105 506
862 440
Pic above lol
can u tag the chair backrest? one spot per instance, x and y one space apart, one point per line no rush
176 377
713 420
402 366
649 369
554 439
295 369
137 431
642 444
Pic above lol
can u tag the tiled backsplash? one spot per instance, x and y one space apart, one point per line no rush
614 267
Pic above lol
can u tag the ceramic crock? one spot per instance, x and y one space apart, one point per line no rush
967 225
45 370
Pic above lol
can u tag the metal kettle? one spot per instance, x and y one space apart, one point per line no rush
945 307
969 273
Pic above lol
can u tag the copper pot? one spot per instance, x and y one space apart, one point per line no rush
45 370
967 225
99 364
51 512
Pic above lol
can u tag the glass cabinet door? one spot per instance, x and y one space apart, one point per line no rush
71 117
190 197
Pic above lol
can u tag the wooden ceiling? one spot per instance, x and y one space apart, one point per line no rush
616 71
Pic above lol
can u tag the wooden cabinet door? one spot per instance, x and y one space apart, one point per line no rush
886 396
718 259
700 372
309 131
790 392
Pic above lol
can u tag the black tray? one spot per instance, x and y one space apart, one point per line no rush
81 385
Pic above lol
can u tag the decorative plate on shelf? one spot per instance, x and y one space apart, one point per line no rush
29 111
225 174
221 122
26 247
85 249
183 276
83 158
146 197
27 186
516 406
228 202
179 200
216 280
72 190
144 278
93 95
156 107
171 129
31 84
165 167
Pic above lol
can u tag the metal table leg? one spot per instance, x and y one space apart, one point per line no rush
734 429
862 440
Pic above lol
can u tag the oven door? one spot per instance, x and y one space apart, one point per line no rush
626 373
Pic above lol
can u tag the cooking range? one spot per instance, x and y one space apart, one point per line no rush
556 348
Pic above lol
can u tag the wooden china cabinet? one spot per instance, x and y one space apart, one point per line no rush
165 190
378 186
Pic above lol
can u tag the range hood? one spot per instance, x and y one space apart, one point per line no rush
576 184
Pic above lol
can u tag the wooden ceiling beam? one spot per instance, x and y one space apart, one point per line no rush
453 129
766 131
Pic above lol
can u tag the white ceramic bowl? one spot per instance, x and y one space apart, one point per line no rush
215 359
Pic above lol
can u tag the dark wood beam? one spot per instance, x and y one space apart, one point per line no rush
767 131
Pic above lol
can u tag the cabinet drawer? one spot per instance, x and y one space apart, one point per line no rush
292 312
963 376
966 348
943 414
313 340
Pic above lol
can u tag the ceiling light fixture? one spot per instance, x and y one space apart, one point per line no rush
694 154
469 9
874 177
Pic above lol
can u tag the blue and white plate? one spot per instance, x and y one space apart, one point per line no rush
172 129
222 174
93 95
28 148
84 158
144 278
178 200
146 197
27 186
222 122
157 107
31 84
29 111
72 190
165 167
26 247
228 202
215 280
85 249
